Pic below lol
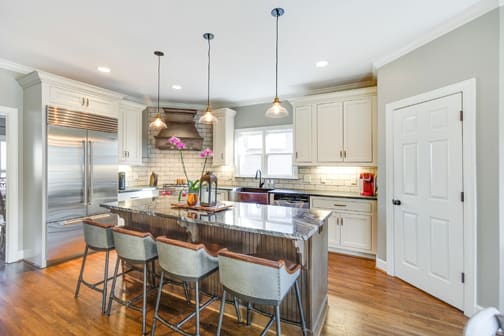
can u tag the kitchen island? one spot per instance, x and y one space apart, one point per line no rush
294 234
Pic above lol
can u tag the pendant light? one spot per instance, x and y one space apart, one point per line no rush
208 117
158 123
276 110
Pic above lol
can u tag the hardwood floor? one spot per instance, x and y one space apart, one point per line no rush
362 300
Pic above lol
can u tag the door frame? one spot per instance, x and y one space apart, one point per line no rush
468 90
13 225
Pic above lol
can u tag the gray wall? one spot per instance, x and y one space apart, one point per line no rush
469 51
253 116
11 93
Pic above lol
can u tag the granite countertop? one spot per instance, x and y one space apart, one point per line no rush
312 192
291 223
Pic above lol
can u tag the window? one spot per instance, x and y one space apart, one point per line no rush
269 149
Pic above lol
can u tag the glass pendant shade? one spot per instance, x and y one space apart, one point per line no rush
158 123
208 117
276 110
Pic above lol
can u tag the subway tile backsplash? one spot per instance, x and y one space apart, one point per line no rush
167 165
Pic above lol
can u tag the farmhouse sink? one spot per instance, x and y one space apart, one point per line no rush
250 195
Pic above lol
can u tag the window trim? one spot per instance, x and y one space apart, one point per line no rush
263 153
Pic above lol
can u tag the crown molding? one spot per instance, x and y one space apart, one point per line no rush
300 94
37 77
468 15
15 67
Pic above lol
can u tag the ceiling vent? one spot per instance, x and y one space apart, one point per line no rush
180 123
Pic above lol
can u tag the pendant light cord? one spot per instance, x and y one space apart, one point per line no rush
208 81
158 81
276 61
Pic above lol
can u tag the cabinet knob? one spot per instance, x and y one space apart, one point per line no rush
83 101
396 202
87 102
222 156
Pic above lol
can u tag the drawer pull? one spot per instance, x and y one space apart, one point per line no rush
340 205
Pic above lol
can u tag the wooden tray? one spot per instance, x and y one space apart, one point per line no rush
202 208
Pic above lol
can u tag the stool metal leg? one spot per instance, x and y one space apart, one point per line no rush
186 292
249 313
112 290
221 313
237 309
277 320
156 311
144 303
105 278
197 309
81 271
300 307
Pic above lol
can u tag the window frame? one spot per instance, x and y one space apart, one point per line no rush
263 154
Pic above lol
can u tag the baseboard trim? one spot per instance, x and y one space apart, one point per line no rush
381 264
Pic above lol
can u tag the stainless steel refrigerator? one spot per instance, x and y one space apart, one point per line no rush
81 174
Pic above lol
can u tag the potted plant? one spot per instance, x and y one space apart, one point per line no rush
193 186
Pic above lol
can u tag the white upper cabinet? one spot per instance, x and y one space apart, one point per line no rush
130 133
329 132
303 134
336 128
72 95
359 131
223 137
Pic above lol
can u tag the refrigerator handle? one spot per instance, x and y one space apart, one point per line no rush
90 165
84 147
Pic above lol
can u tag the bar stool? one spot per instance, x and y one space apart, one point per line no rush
259 281
186 262
134 248
98 237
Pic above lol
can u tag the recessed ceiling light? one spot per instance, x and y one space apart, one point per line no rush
103 69
321 64
176 87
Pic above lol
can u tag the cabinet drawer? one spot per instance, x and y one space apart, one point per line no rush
341 204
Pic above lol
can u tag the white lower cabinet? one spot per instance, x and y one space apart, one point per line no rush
352 224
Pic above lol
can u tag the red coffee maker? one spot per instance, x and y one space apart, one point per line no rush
367 184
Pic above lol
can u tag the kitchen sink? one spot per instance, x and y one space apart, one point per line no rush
250 195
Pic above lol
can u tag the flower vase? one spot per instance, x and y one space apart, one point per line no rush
192 198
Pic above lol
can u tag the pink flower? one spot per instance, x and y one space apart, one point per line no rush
206 153
177 142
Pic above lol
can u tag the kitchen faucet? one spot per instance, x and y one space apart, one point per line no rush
259 172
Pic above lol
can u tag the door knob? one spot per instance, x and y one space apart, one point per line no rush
396 202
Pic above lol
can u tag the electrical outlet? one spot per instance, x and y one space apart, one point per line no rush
323 179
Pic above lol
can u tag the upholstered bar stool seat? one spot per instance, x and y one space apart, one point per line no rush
134 248
98 237
259 281
186 262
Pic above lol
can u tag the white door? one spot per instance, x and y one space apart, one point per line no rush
428 211
303 134
330 132
358 126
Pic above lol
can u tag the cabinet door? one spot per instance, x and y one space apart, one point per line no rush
130 136
330 132
303 134
67 98
358 126
334 231
356 231
219 141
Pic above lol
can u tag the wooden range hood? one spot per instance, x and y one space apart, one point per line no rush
180 123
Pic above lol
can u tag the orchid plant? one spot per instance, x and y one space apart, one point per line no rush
192 185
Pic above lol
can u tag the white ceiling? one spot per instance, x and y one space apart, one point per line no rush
73 38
